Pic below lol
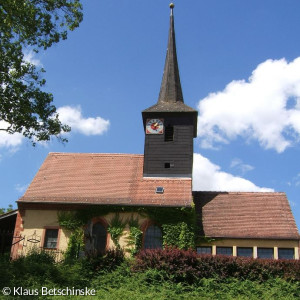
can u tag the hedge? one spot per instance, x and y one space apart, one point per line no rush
188 266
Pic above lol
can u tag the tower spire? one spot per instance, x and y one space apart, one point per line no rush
170 96
170 90
170 125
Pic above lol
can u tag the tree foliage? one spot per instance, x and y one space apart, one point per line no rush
31 25
6 210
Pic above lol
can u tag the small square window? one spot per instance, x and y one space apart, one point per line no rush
51 236
224 250
169 165
159 190
204 250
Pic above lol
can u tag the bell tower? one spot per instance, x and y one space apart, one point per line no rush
170 125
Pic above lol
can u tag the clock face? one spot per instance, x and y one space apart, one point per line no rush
155 126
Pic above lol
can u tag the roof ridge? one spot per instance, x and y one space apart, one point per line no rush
242 192
94 154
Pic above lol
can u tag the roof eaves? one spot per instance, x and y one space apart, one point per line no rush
8 214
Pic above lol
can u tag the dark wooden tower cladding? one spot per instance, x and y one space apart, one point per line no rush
169 142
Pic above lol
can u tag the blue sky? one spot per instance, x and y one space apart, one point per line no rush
239 63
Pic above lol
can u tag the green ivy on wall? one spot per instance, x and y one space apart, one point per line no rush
134 239
71 222
116 228
178 225
178 235
75 245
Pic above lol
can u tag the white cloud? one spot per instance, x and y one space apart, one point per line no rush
238 165
68 115
209 177
9 140
265 108
30 56
72 116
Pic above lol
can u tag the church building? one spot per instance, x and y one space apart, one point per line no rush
103 191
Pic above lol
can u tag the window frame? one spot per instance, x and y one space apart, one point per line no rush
264 249
284 249
224 247
244 248
206 248
104 223
145 227
45 237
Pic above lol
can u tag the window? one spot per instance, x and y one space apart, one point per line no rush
169 133
224 250
153 237
204 250
245 251
99 237
169 165
265 253
51 236
159 190
285 253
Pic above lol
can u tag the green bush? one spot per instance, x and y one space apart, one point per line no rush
154 284
156 274
187 266
107 262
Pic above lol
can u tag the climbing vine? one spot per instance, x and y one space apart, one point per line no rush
69 221
116 228
178 225
134 239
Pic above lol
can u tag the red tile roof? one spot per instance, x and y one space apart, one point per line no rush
114 179
245 215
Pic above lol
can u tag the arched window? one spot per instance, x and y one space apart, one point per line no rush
99 237
153 237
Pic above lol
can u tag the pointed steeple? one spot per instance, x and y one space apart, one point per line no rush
170 90
169 125
170 97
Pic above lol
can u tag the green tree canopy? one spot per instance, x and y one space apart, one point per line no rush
6 210
31 25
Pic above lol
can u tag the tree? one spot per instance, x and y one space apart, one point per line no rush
31 25
3 210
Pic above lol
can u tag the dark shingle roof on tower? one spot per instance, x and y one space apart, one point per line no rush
170 97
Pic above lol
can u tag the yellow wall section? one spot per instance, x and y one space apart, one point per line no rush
35 221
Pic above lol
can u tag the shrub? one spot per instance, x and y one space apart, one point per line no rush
187 266
33 270
109 261
180 264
